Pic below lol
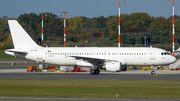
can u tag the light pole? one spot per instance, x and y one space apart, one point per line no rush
119 24
42 29
173 30
64 28
173 47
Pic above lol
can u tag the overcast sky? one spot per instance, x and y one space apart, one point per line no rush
88 8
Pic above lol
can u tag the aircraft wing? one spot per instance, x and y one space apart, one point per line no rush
91 60
95 61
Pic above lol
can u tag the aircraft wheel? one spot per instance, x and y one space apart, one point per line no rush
96 71
92 72
153 72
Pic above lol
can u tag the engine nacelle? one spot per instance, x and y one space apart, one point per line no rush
113 66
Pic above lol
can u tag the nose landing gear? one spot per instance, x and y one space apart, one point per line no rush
153 71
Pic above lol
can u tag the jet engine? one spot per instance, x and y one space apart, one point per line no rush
112 66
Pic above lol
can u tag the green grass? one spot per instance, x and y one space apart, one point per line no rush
89 88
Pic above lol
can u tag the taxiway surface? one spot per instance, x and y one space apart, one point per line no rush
21 73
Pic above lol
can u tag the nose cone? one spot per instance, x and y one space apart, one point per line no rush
173 59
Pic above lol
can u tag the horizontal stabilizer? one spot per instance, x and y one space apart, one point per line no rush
16 51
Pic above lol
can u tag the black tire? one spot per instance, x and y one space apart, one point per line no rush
92 72
96 71
153 72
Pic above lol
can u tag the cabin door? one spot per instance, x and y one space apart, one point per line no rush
39 54
152 54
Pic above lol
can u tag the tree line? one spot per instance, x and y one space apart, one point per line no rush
97 31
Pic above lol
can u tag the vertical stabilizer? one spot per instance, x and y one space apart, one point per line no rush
20 37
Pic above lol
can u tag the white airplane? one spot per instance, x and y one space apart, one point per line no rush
108 58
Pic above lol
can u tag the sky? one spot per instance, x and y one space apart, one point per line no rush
88 8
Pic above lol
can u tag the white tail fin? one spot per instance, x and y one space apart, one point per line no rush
20 37
178 49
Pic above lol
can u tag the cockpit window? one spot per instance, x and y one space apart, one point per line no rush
165 53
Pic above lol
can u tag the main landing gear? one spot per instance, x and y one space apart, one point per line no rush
96 71
153 71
